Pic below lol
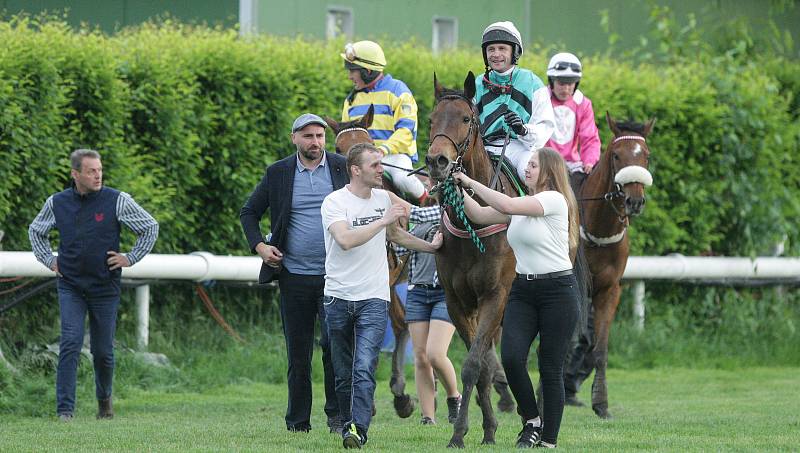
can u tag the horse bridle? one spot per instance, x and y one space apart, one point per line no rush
617 192
461 148
350 129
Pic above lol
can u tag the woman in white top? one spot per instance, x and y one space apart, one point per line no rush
542 230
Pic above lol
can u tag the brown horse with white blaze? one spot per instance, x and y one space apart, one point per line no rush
609 198
476 284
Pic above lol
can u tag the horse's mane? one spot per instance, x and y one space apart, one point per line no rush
631 126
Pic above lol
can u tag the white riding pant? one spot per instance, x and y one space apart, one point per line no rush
400 178
517 152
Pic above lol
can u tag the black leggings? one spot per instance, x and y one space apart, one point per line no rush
549 308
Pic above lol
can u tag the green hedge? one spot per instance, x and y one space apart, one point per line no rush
187 118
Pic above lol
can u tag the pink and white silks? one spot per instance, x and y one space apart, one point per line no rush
575 135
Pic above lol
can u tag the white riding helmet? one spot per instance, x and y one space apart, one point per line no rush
502 32
565 67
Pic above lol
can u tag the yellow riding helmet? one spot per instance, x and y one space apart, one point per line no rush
364 54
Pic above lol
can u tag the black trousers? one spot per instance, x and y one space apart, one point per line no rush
301 306
547 308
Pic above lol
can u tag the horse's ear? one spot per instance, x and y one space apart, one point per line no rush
332 123
649 126
366 120
437 89
469 86
612 125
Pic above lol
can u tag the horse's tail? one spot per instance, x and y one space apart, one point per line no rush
584 277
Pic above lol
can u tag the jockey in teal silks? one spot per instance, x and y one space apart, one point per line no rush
511 99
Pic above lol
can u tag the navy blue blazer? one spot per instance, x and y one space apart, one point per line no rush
274 192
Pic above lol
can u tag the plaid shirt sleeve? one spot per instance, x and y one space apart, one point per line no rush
141 222
39 232
422 215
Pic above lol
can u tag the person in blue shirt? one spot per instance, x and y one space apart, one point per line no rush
294 253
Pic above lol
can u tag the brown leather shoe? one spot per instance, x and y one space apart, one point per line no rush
105 409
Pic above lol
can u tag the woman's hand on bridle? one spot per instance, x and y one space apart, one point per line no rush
462 180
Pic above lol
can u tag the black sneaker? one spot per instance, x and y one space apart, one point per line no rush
427 421
543 444
299 428
453 406
335 424
351 438
529 436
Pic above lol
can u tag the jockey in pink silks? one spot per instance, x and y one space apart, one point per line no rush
575 136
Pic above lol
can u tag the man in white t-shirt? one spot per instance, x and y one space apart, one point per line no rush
357 220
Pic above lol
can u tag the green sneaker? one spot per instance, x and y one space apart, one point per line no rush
351 438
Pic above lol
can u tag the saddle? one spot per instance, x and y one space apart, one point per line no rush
509 170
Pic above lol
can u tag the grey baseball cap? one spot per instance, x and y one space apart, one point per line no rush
306 119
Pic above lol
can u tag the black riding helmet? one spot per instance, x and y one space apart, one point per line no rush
504 32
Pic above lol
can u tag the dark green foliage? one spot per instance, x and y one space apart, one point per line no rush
188 118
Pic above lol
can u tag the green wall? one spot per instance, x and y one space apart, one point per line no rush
111 15
393 19
578 23
568 24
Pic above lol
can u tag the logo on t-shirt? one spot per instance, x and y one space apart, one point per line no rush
361 221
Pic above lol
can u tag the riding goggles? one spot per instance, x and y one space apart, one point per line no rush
350 55
563 65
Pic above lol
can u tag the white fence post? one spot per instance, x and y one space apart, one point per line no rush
142 316
638 304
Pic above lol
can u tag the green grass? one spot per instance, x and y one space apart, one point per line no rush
669 409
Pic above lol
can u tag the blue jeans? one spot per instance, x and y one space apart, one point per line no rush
355 331
424 304
74 305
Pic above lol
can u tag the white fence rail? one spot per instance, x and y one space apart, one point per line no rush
203 266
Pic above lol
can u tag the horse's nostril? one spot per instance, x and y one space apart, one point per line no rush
442 161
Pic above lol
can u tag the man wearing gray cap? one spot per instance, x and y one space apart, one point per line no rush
294 253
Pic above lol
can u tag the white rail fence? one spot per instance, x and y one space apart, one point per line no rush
203 266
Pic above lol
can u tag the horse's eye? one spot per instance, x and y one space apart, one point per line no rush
466 119
616 157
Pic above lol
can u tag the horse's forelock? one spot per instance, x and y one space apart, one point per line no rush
450 92
631 126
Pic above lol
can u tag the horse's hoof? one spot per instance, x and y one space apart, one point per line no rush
602 412
506 404
456 443
404 406
573 400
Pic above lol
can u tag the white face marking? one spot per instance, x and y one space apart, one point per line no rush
637 150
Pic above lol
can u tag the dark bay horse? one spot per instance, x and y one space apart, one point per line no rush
347 135
612 194
476 284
